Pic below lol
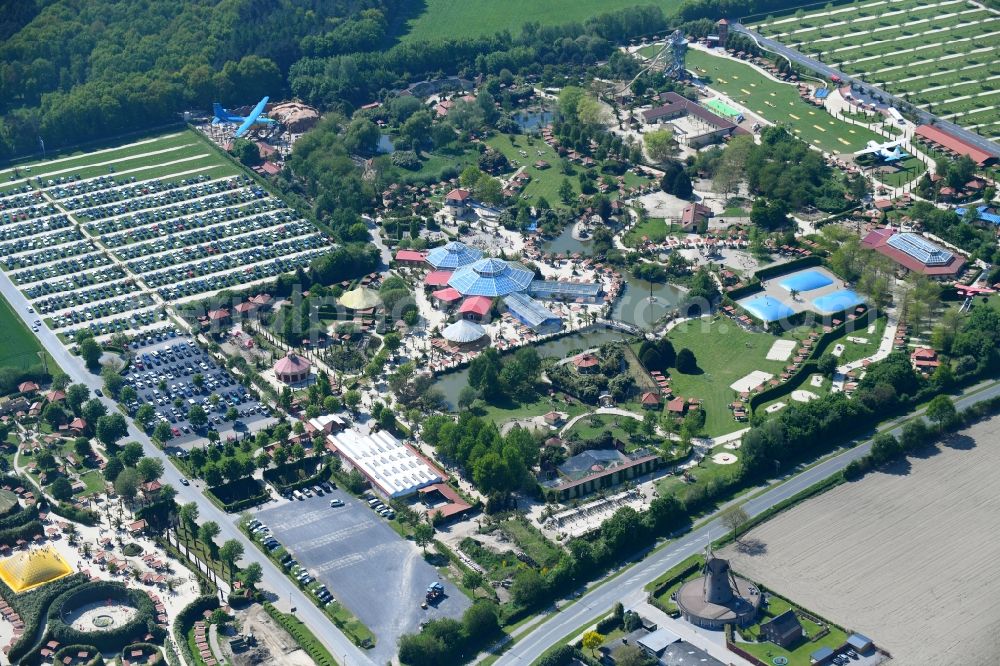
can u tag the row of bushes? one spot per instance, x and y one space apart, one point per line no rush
75 513
72 651
185 621
241 488
32 607
18 515
114 638
289 476
27 531
302 635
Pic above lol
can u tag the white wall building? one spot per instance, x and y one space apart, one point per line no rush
393 469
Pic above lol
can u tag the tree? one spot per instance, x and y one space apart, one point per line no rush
61 489
941 411
113 382
76 395
686 362
480 620
162 432
565 191
112 469
145 415
362 137
660 145
131 454
734 518
90 352
187 515
473 580
81 446
827 364
111 428
197 416
631 655
54 415
128 395
230 552
151 469
423 534
232 414
352 399
206 535
593 640
466 397
885 448
252 574
127 483
198 380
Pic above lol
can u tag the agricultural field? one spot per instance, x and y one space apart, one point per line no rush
101 241
449 19
779 103
897 555
20 348
935 54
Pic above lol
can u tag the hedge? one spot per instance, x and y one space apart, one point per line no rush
185 620
115 638
276 476
787 267
72 650
237 505
31 606
9 537
302 635
76 514
147 647
19 517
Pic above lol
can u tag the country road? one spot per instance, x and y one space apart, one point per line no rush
628 588
275 582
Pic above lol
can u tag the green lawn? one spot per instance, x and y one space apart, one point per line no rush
654 228
854 350
94 482
725 353
592 426
444 19
532 542
779 103
20 347
544 182
799 655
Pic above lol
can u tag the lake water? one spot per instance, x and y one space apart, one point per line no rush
385 145
564 243
451 384
531 121
634 307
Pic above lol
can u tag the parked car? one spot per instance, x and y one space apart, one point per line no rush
336 502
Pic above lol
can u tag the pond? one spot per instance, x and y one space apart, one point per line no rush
533 120
385 145
634 306
564 243
451 384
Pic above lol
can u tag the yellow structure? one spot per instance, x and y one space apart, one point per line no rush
361 298
33 568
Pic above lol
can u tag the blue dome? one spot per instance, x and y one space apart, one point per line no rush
491 277
453 255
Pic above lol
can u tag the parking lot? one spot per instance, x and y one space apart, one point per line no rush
379 576
172 373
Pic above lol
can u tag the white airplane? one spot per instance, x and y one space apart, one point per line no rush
888 151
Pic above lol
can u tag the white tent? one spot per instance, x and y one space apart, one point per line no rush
463 331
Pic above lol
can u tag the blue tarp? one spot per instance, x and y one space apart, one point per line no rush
766 308
838 301
805 281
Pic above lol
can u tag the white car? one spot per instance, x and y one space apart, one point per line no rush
336 502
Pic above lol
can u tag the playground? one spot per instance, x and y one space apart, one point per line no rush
777 102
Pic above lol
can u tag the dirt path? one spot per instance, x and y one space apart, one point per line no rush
906 557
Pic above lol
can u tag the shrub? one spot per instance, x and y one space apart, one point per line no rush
110 640
185 621
239 495
73 650
31 606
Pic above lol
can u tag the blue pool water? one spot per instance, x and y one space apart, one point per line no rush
767 308
805 281
838 301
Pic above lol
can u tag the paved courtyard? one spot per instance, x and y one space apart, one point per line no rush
378 575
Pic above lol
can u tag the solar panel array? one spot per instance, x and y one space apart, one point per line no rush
560 288
528 310
920 249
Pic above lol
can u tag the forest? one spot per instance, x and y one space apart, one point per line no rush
74 72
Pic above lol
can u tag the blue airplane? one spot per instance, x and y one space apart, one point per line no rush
245 122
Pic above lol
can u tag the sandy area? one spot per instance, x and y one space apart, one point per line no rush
804 396
751 381
907 557
274 645
781 350
86 618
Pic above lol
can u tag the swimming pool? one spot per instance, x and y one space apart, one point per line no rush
838 301
722 108
766 308
805 281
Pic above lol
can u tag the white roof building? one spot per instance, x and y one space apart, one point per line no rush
394 469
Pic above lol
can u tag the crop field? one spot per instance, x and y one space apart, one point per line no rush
20 348
938 55
102 240
901 556
446 19
778 102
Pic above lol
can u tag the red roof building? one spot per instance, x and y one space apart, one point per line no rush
915 253
953 144
27 387
292 369
693 215
650 400
55 396
458 198
476 307
78 424
262 300
924 359
677 406
245 308
437 278
447 295
586 363
410 257
221 314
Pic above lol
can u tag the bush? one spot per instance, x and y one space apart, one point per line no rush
32 606
75 514
558 656
73 650
185 621
109 640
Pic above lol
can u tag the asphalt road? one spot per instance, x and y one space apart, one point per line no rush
629 586
274 580
827 71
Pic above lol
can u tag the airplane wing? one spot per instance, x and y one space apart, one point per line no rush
252 118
